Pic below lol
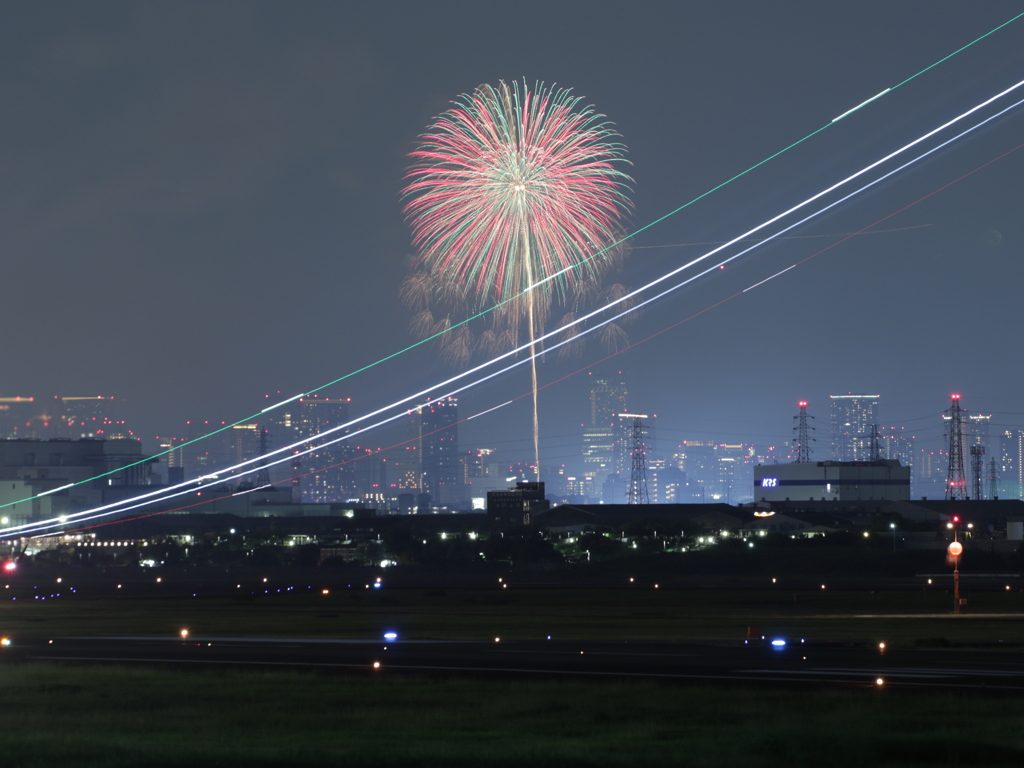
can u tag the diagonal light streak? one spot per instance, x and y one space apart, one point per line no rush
538 284
188 487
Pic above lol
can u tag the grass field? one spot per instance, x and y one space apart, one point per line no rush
134 716
105 717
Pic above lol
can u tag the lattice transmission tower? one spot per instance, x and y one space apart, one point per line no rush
874 447
638 476
802 443
977 468
993 479
956 484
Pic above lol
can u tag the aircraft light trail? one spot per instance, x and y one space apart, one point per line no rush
475 415
536 285
667 276
862 104
145 499
719 303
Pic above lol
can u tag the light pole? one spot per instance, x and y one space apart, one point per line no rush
955 549
893 527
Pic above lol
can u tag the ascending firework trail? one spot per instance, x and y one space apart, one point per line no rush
512 192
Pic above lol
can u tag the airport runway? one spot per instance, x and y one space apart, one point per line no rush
795 664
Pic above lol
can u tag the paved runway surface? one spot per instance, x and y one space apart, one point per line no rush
794 665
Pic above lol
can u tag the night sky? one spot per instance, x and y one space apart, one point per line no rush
200 205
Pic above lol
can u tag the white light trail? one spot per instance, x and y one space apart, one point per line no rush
189 486
253 490
791 266
284 402
509 402
862 104
55 490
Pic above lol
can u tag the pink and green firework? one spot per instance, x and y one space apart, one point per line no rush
514 187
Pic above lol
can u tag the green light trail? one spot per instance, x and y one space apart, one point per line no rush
482 313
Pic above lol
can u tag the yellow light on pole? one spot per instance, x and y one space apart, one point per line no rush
955 549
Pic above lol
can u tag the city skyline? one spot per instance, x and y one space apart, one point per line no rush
218 232
374 474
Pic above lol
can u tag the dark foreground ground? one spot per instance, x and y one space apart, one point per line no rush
278 668
127 715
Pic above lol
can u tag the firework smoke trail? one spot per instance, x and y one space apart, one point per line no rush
512 192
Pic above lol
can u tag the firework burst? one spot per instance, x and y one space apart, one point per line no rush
513 187
514 198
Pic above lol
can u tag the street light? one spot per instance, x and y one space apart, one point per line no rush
954 550
893 527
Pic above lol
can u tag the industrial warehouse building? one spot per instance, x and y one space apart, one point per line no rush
881 480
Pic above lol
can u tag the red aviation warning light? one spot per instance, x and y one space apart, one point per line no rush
802 404
954 397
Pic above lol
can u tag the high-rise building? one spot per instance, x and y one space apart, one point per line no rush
68 418
852 417
607 400
978 431
20 417
622 446
170 453
598 451
80 417
203 455
697 459
735 472
929 471
666 483
719 472
244 442
439 453
328 474
1011 464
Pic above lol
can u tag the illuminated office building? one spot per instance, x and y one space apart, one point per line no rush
607 400
439 453
852 417
328 473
